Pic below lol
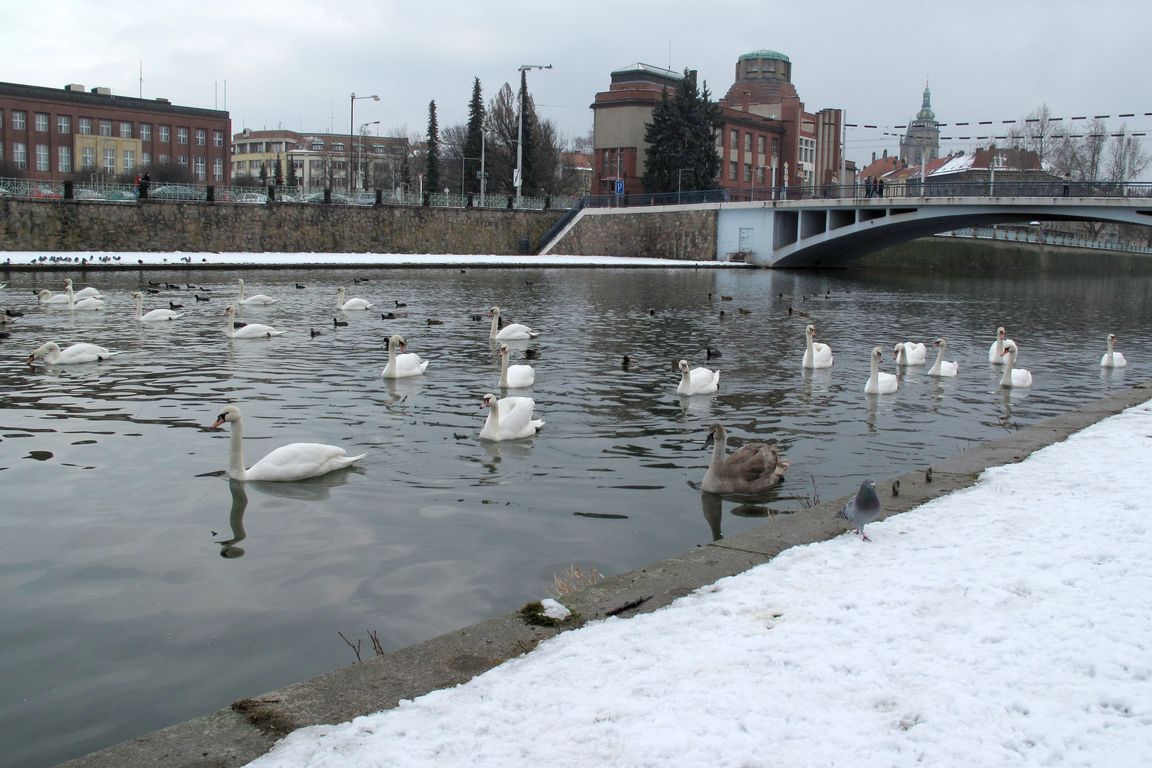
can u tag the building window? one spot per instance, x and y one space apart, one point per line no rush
85 128
129 160
201 137
182 160
747 171
19 120
165 134
42 158
734 140
110 160
217 138
20 155
145 159
63 124
760 145
105 127
163 159
199 168
89 158
42 122
732 170
317 146
181 135
64 159
218 170
747 142
125 130
145 131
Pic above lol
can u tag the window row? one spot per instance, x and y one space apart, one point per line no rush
125 129
109 162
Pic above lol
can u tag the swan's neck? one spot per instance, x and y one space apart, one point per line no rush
686 377
495 326
999 345
1008 364
391 355
236 452
241 290
340 299
494 416
875 369
809 349
719 449
71 299
504 370
939 356
139 307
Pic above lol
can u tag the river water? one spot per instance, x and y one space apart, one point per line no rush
139 587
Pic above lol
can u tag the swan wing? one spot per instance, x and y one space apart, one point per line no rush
702 381
521 375
753 461
298 461
514 331
160 314
255 331
516 418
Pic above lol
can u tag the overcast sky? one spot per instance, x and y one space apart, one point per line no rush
293 64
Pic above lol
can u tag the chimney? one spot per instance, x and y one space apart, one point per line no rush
74 87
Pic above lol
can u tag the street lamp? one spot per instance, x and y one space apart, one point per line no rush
360 149
351 136
517 180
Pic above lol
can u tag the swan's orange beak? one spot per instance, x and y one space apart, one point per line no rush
216 424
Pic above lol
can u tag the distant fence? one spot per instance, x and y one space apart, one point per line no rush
1040 236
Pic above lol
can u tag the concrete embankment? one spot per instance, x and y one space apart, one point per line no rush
249 727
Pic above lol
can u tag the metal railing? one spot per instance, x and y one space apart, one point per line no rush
1036 235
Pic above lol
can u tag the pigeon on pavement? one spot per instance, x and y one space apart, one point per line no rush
862 509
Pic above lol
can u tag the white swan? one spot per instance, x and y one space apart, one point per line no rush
295 461
88 292
880 383
77 353
1013 376
510 332
509 418
911 353
942 367
697 381
83 305
513 376
996 351
250 331
45 296
153 315
1112 358
351 303
816 355
403 365
258 299
753 468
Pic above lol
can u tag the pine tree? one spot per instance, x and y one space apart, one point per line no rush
263 174
432 158
474 143
681 140
292 178
529 183
278 171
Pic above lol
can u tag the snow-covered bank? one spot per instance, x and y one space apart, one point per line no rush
1005 624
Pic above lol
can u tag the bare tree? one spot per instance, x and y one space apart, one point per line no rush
1037 134
1127 160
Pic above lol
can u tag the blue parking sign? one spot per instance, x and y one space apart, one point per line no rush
619 186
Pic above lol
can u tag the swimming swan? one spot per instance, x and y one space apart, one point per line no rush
401 366
154 315
816 355
83 305
880 383
1112 358
510 332
77 353
258 299
509 418
1013 376
351 303
697 381
513 376
753 468
996 351
942 367
295 461
911 353
249 331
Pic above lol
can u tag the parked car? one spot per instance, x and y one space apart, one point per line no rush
175 192
250 197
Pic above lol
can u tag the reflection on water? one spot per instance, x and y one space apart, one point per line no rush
111 600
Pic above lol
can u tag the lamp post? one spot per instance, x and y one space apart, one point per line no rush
360 148
517 179
351 136
679 177
483 173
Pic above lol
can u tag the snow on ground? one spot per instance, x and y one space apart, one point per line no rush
179 259
1002 625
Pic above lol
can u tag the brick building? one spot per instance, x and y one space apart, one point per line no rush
73 133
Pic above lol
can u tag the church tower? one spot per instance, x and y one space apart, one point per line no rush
921 142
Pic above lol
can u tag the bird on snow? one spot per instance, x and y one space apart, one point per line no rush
862 508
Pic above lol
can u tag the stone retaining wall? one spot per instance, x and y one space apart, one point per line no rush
667 234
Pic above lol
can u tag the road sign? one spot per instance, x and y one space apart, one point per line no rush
619 186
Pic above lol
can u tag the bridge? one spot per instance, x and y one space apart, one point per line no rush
818 232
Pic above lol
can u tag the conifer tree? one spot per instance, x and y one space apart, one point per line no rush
529 183
432 158
473 139
292 179
263 174
278 171
681 140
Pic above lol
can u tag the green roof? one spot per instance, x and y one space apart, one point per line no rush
765 54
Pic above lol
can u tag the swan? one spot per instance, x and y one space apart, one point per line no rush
698 381
942 367
83 305
816 355
510 332
1112 358
1013 376
911 353
249 331
880 383
509 418
87 292
77 353
753 468
351 303
403 365
295 461
512 376
155 314
46 296
996 351
258 299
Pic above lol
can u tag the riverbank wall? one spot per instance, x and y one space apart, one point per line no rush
248 728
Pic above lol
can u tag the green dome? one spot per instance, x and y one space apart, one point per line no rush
765 54
926 112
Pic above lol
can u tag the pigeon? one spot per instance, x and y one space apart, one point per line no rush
862 508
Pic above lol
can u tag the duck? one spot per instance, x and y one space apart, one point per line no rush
910 353
295 461
1014 377
249 331
314 333
880 383
510 332
996 351
514 376
1112 358
816 355
697 381
83 305
154 315
257 300
351 303
83 352
338 323
942 367
753 468
402 366
509 418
